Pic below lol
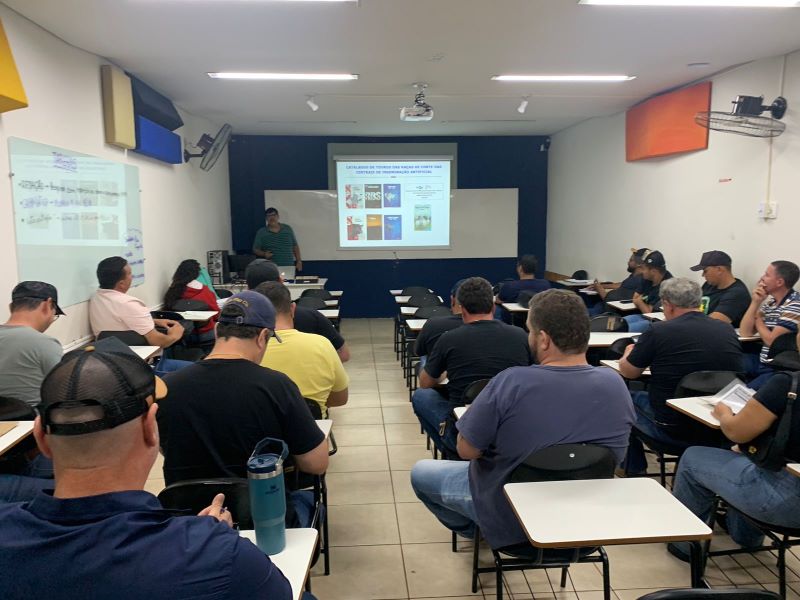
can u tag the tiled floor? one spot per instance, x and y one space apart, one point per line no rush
386 545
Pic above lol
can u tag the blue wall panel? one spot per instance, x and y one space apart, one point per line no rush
259 163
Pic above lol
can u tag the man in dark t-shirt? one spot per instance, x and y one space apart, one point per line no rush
479 349
654 270
686 342
527 265
306 319
220 408
435 327
725 297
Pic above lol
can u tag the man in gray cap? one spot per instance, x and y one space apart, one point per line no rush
725 297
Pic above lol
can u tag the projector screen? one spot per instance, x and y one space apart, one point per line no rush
393 202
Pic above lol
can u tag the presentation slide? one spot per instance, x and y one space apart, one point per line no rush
393 202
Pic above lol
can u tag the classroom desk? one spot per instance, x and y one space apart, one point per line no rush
21 430
654 316
325 425
336 293
294 560
405 299
588 291
614 364
603 339
459 411
696 407
513 307
408 311
145 352
296 289
198 315
794 469
622 305
415 324
331 313
748 338
331 303
603 512
395 292
572 283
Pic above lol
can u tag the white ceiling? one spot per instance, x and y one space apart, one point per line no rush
454 45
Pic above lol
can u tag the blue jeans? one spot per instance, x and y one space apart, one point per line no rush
443 486
432 409
169 365
637 323
759 371
635 461
705 473
303 503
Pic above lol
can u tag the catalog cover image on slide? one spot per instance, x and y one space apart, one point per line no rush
422 217
372 195
354 196
391 195
374 227
355 228
393 227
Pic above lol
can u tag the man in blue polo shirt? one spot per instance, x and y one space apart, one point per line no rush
98 534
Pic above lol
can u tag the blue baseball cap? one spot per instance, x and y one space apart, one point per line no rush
251 309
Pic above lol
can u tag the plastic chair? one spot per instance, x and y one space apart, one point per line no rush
709 594
421 300
317 293
608 322
524 298
556 463
223 293
619 293
128 337
474 389
311 302
193 495
12 409
429 312
580 274
184 305
415 290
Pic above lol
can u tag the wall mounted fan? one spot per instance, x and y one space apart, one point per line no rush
211 147
746 119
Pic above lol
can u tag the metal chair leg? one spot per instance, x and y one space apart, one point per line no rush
455 542
564 571
475 551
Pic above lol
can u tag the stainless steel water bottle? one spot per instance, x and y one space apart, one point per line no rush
267 494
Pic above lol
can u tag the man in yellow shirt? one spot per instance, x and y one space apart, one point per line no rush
309 360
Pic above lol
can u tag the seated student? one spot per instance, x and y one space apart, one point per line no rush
774 311
307 358
185 286
98 528
527 266
306 319
725 297
654 270
687 341
111 308
634 282
435 327
219 408
771 496
34 307
558 400
479 349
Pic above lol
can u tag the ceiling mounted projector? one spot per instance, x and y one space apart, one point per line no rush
421 111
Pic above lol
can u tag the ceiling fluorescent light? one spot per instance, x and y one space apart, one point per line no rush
564 78
286 76
697 3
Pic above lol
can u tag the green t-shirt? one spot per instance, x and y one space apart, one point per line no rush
281 243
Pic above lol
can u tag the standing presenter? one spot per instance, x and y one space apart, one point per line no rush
276 242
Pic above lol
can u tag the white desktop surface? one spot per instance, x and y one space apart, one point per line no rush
198 315
22 430
514 307
325 425
696 407
595 512
395 292
336 293
295 559
331 303
331 313
794 469
575 282
603 339
145 352
654 316
415 324
623 306
408 310
614 364
459 411
748 338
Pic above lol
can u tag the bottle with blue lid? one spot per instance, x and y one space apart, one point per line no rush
267 494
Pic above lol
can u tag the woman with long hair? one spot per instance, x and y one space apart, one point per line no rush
185 286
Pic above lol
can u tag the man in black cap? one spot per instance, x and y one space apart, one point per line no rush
34 307
306 319
725 297
654 270
277 242
220 408
98 528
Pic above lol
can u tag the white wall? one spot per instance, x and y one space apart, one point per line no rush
600 206
185 211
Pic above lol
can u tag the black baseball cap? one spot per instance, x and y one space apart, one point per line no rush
271 211
259 271
250 309
39 290
98 387
713 258
654 258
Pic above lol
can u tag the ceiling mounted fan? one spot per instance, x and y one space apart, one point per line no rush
746 119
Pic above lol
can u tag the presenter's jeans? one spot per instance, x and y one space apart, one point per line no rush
705 473
432 409
443 486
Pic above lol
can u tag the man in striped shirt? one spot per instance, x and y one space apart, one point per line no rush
774 311
276 242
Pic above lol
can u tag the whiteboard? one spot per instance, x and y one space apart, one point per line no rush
483 224
71 211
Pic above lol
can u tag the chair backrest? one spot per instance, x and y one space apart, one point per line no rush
620 293
12 409
193 495
223 293
311 302
580 274
709 594
786 361
608 322
166 314
424 300
314 407
566 462
428 312
703 383
617 349
128 337
524 298
182 305
783 343
473 389
415 290
316 293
